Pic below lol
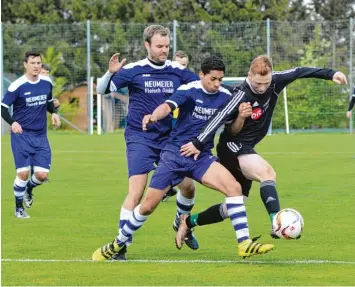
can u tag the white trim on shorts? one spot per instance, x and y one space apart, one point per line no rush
40 169
25 168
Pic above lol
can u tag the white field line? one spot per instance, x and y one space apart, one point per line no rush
304 262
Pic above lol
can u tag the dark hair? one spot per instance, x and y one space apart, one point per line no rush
31 54
212 63
46 67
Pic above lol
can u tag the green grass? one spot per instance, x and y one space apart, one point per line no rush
78 211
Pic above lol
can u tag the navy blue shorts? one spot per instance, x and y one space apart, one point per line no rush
31 151
173 168
141 158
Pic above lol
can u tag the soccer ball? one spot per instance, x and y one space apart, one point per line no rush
288 223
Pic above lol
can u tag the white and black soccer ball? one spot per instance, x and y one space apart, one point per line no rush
288 223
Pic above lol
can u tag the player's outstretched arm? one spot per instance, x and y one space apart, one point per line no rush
159 113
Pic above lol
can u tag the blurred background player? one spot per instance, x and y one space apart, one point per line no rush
197 101
351 105
236 145
150 81
182 57
31 97
45 70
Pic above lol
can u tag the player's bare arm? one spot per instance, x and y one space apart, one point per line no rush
159 113
245 111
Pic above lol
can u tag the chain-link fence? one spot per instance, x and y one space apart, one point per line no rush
79 51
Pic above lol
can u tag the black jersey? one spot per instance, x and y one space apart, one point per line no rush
255 127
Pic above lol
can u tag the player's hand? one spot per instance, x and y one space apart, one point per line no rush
114 65
245 110
190 150
348 114
16 128
148 119
339 78
56 120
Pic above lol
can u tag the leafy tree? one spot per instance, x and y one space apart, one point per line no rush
333 9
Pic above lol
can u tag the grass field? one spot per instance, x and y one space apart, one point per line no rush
78 211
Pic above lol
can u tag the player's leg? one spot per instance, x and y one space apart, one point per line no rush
21 153
163 178
185 201
20 183
219 178
218 212
256 168
140 160
41 162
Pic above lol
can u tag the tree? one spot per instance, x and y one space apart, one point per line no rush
55 61
332 10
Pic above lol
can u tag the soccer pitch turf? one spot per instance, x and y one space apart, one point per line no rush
77 212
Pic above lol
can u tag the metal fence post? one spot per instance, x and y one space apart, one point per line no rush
88 76
175 25
351 85
3 127
268 53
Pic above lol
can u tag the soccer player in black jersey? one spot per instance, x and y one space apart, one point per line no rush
236 143
351 105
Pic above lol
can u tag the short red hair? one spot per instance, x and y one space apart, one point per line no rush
261 65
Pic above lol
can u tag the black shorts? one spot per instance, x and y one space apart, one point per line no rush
228 153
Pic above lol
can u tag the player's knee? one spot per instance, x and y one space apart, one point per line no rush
187 189
269 173
147 208
41 176
233 189
23 175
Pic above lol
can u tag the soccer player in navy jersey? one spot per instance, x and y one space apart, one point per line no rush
31 98
236 143
351 105
150 82
197 101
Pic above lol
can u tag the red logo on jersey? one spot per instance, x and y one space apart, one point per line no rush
257 113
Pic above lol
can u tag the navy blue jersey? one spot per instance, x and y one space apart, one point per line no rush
149 86
196 107
29 101
255 127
